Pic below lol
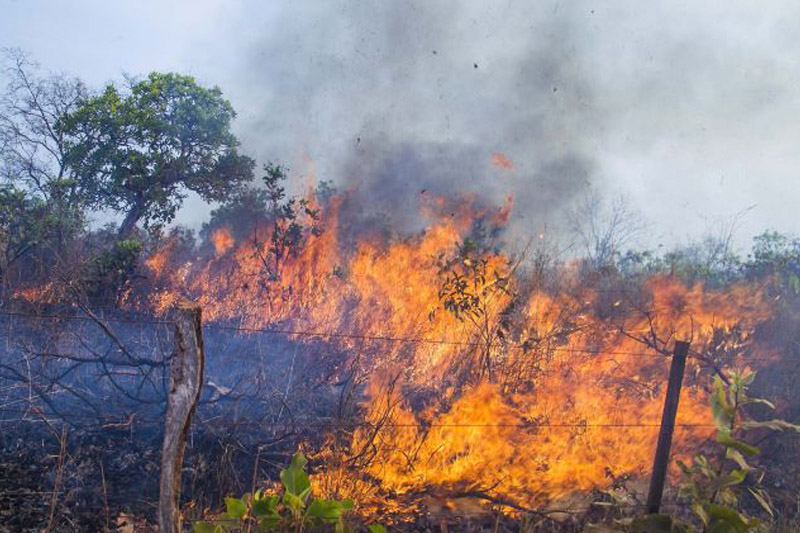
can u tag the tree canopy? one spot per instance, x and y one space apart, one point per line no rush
141 151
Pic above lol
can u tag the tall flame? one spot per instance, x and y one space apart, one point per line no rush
577 398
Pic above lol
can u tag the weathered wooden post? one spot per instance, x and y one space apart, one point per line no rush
185 384
661 461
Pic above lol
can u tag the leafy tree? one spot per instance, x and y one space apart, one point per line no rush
24 224
293 221
243 213
142 150
778 256
108 273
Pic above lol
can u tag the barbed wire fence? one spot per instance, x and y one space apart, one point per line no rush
59 367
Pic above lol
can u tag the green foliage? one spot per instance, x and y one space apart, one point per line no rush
295 509
241 212
293 220
141 151
777 256
111 270
468 288
715 486
23 225
32 228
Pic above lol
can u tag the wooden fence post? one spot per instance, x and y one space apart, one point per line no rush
661 461
185 384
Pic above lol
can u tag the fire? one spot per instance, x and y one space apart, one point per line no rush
500 161
573 397
223 241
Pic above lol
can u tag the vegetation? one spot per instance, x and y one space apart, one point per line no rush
715 487
68 154
138 153
295 510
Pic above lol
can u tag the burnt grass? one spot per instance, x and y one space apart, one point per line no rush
109 482
110 467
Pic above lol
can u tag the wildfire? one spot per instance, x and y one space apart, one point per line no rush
508 390
573 402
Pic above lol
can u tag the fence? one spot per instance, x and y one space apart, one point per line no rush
111 372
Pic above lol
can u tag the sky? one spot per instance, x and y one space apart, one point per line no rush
689 110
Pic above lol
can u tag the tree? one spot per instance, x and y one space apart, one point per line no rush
32 143
294 220
141 151
41 207
24 224
776 256
603 230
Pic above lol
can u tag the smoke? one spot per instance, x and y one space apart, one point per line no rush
688 109
398 100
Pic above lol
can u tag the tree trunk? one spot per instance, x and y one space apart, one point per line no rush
133 216
185 385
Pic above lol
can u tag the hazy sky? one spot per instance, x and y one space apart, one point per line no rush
690 109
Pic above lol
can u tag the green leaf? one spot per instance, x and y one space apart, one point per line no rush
377 528
294 479
294 502
726 439
727 520
236 508
737 457
721 410
326 511
734 477
700 511
265 506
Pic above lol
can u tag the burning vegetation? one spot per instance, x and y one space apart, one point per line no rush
437 378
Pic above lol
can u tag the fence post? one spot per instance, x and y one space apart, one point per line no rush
185 384
661 461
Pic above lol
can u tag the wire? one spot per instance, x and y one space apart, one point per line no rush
343 424
312 333
85 318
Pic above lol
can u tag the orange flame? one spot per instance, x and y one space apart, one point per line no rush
500 161
575 404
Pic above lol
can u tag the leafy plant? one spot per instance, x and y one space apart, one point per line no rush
295 510
294 220
472 284
715 487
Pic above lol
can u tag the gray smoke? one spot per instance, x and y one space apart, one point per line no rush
398 100
689 109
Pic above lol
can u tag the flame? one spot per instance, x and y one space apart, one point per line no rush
223 240
565 414
574 399
500 161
